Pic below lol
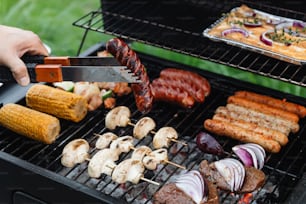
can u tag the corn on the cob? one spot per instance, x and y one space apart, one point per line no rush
59 103
30 123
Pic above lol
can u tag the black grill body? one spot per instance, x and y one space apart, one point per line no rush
31 172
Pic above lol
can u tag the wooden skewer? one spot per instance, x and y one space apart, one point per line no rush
149 181
142 178
174 164
173 140
178 141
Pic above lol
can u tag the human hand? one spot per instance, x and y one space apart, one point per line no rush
14 43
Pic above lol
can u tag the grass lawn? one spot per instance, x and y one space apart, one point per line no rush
52 21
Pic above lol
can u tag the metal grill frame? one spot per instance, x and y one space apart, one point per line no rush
116 21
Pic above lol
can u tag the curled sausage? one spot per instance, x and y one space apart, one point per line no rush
127 57
165 92
191 79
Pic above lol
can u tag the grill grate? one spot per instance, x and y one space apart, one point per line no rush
283 170
151 23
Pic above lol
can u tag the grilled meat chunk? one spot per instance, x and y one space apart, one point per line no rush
254 178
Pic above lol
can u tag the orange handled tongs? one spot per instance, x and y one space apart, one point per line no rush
56 69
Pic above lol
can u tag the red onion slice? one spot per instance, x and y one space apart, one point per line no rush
232 171
256 152
299 24
263 38
193 184
243 155
235 30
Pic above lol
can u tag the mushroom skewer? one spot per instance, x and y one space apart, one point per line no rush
164 136
105 139
140 152
130 170
75 152
147 125
102 162
157 157
120 117
122 144
143 127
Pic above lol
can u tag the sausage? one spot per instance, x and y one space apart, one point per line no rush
268 132
263 108
293 126
277 103
249 118
241 134
166 92
187 86
195 80
127 57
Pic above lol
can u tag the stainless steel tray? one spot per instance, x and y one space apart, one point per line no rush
251 47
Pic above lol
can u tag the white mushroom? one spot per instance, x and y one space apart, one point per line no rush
75 152
118 116
140 152
164 136
128 170
150 163
102 162
143 127
105 140
122 144
156 157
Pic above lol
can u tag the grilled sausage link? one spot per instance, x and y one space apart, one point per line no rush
263 108
293 126
277 103
127 57
268 132
241 134
197 84
248 117
163 91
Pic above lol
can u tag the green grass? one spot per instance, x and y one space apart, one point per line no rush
52 21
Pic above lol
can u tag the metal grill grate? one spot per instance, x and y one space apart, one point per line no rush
283 170
152 24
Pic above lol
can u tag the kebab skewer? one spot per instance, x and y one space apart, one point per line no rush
120 117
125 143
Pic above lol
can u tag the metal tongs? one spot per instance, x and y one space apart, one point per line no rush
62 68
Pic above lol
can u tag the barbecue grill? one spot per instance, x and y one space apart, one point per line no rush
31 172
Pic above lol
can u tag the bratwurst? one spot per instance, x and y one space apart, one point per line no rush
127 57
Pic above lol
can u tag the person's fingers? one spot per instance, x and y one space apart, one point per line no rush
19 71
36 47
